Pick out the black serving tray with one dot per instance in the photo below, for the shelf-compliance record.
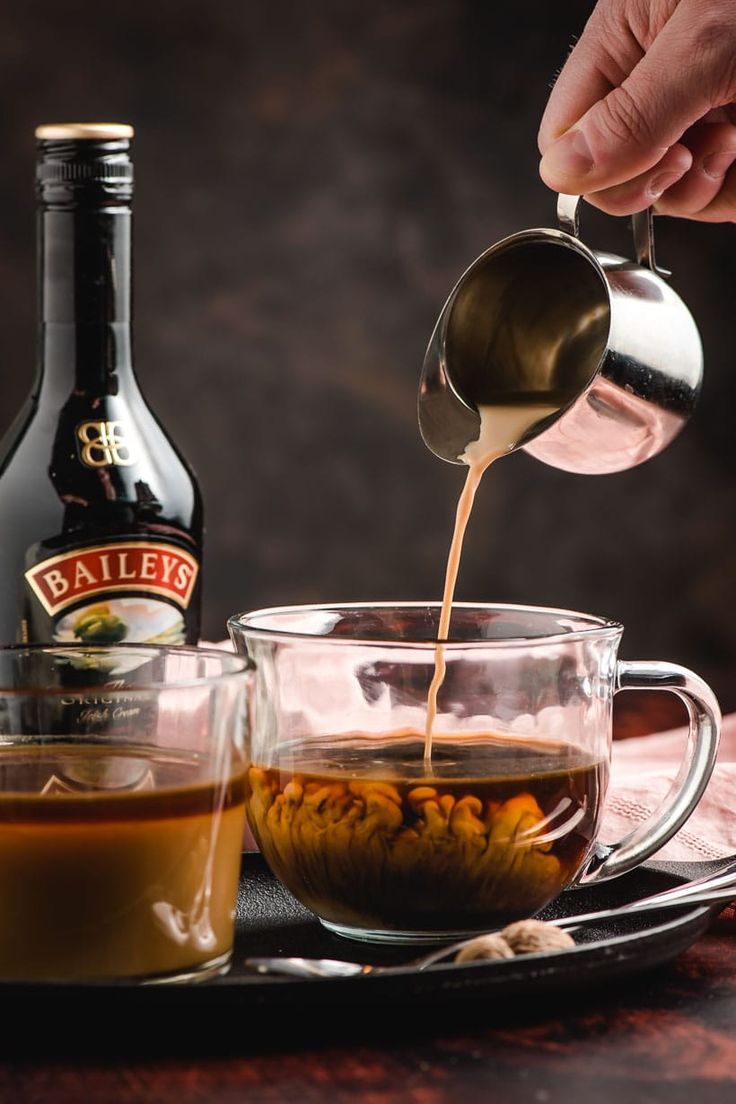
(244, 1006)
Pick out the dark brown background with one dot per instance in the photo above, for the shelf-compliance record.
(311, 180)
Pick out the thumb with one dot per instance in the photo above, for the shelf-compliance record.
(629, 130)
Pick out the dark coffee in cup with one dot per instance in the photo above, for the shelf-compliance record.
(360, 833)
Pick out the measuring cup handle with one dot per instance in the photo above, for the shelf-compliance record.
(610, 860)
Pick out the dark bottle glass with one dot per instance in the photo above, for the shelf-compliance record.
(102, 518)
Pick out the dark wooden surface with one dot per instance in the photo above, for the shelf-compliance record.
(669, 1036)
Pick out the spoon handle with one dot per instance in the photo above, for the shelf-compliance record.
(702, 897)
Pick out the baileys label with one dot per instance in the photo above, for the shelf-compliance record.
(131, 590)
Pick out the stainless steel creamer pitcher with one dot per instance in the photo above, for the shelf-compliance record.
(540, 318)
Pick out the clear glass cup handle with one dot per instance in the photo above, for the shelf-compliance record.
(610, 860)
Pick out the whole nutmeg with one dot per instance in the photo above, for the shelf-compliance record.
(534, 936)
(484, 947)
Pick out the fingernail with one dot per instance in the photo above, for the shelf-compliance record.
(569, 156)
(718, 164)
(661, 183)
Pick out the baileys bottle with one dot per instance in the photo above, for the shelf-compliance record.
(102, 518)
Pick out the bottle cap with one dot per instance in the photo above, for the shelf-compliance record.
(53, 132)
(84, 163)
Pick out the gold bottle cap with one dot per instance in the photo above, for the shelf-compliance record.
(51, 132)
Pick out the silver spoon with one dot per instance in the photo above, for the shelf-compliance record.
(705, 891)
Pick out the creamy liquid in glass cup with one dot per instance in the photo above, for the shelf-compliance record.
(501, 428)
(122, 806)
(134, 881)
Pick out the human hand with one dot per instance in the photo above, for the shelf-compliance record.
(644, 111)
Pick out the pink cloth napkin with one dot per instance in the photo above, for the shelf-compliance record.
(642, 770)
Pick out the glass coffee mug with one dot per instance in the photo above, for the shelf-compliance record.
(384, 845)
(122, 778)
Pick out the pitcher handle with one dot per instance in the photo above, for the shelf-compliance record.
(610, 860)
(642, 226)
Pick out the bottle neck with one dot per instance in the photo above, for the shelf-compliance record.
(84, 259)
